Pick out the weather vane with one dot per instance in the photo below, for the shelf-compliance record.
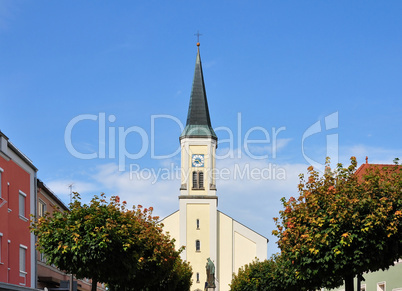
(198, 34)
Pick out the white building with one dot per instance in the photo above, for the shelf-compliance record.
(198, 224)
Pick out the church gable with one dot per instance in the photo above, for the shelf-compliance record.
(238, 245)
(171, 225)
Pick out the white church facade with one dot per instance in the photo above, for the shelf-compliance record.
(198, 224)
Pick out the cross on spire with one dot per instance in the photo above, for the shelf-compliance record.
(198, 34)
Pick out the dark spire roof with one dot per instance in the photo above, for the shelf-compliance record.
(198, 120)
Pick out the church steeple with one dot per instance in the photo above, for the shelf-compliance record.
(198, 120)
(198, 142)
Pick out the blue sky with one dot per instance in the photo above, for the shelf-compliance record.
(278, 64)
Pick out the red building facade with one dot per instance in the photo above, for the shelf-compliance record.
(17, 203)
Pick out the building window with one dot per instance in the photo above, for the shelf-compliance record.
(198, 224)
(363, 287)
(198, 277)
(381, 286)
(1, 172)
(198, 180)
(41, 208)
(201, 180)
(42, 257)
(8, 195)
(195, 180)
(22, 200)
(23, 258)
(1, 244)
(197, 245)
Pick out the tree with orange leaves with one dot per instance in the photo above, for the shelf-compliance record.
(105, 241)
(342, 225)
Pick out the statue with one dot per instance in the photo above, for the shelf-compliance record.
(210, 268)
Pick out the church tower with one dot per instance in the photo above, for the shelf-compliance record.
(198, 200)
(198, 142)
(207, 234)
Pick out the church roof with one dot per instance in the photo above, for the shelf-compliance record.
(198, 121)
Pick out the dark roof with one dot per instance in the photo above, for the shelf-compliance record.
(198, 121)
(49, 192)
(18, 152)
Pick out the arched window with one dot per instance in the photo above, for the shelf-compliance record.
(198, 180)
(198, 224)
(197, 245)
(198, 277)
(195, 180)
(201, 180)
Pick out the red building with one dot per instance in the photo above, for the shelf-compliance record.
(365, 169)
(17, 203)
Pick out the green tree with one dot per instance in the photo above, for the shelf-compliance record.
(179, 279)
(342, 225)
(267, 275)
(109, 243)
(256, 276)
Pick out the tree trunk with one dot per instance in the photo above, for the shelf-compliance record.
(349, 283)
(94, 284)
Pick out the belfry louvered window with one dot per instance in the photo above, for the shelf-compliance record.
(198, 180)
(201, 180)
(195, 180)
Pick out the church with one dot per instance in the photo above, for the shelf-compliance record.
(211, 238)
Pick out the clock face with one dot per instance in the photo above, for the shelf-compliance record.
(197, 160)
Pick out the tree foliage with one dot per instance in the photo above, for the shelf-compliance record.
(178, 279)
(109, 243)
(342, 225)
(256, 276)
(269, 275)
